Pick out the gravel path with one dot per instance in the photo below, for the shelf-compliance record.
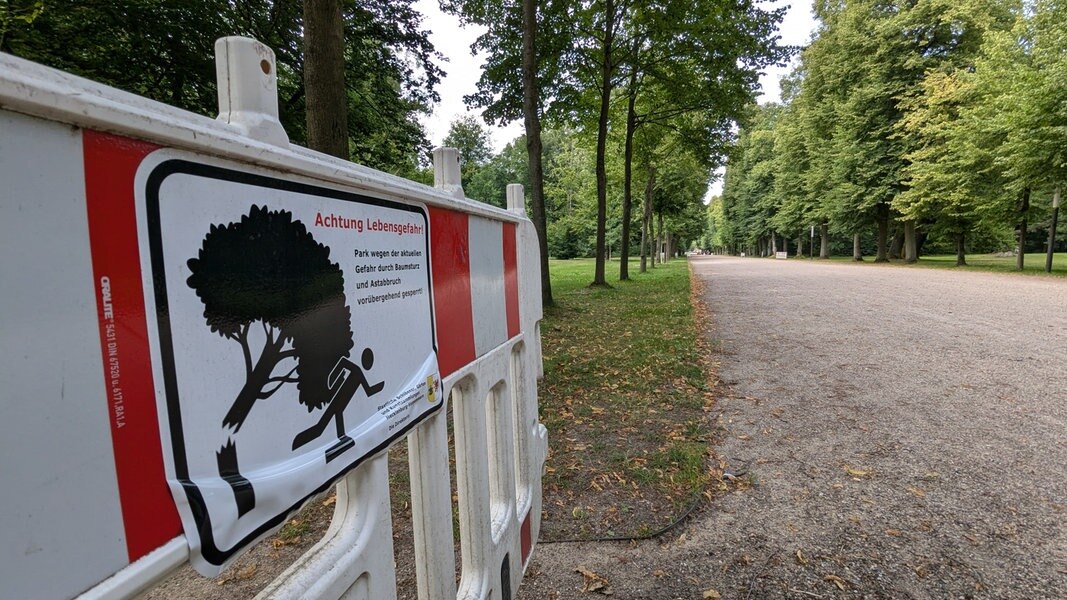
(904, 431)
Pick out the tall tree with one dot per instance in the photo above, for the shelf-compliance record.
(324, 77)
(525, 38)
(605, 19)
(695, 65)
(531, 110)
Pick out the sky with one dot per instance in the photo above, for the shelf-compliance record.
(463, 70)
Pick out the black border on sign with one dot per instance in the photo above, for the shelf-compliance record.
(209, 550)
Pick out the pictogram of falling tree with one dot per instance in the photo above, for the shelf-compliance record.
(268, 271)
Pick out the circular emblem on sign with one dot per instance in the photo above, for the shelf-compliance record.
(431, 389)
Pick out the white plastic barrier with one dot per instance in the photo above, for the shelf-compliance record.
(112, 212)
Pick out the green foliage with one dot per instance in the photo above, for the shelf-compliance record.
(471, 138)
(570, 237)
(468, 135)
(943, 114)
(625, 391)
(489, 182)
(165, 51)
(500, 84)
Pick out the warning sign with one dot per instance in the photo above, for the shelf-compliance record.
(294, 327)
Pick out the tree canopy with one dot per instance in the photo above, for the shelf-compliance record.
(165, 51)
(932, 121)
(268, 269)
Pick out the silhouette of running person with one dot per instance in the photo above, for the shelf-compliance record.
(344, 381)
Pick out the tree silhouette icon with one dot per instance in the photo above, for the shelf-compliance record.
(268, 269)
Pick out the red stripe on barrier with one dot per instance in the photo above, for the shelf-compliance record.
(526, 539)
(148, 512)
(511, 281)
(451, 264)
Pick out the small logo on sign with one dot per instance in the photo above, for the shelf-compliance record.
(431, 389)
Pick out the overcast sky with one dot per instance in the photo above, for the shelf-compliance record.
(463, 69)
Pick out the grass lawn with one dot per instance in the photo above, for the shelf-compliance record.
(1034, 263)
(624, 398)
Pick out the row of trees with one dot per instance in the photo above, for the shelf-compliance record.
(908, 121)
(638, 98)
(661, 83)
(676, 211)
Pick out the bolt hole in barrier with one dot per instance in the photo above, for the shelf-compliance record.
(208, 327)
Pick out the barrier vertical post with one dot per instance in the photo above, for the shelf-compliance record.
(446, 173)
(431, 508)
(248, 89)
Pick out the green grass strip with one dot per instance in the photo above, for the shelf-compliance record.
(624, 398)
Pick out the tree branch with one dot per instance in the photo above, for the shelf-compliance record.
(245, 350)
(281, 380)
(263, 395)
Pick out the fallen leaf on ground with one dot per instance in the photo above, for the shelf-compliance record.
(330, 501)
(593, 582)
(893, 532)
(289, 541)
(800, 558)
(918, 492)
(856, 472)
(245, 573)
(834, 579)
(659, 573)
(711, 594)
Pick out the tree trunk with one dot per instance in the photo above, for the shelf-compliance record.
(653, 240)
(255, 380)
(627, 181)
(1024, 212)
(646, 221)
(531, 110)
(824, 241)
(661, 251)
(607, 69)
(882, 217)
(800, 246)
(644, 243)
(911, 248)
(774, 244)
(898, 243)
(961, 256)
(857, 253)
(1052, 230)
(324, 78)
